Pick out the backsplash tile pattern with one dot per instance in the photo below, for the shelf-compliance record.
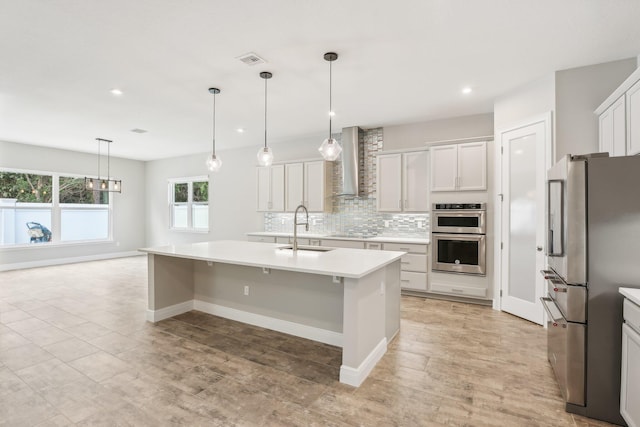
(356, 216)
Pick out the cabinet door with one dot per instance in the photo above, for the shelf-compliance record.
(416, 181)
(472, 166)
(277, 188)
(263, 176)
(389, 183)
(605, 143)
(630, 381)
(619, 128)
(315, 189)
(444, 167)
(633, 120)
(294, 178)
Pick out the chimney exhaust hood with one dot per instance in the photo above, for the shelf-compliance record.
(350, 161)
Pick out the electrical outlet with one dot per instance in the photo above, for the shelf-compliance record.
(386, 223)
(282, 221)
(420, 224)
(246, 290)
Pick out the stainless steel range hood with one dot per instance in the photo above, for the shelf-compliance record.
(350, 161)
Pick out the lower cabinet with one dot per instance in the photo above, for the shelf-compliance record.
(413, 265)
(342, 243)
(630, 381)
(455, 289)
(263, 239)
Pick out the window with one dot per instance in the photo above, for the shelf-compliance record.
(84, 214)
(41, 208)
(189, 202)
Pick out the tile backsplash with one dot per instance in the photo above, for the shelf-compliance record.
(356, 216)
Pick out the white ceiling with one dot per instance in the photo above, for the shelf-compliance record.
(400, 61)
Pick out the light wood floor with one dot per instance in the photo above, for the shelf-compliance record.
(75, 349)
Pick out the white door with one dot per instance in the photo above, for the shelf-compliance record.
(416, 181)
(389, 183)
(444, 167)
(472, 166)
(294, 176)
(523, 170)
(314, 186)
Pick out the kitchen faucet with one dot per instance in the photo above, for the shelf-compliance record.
(296, 224)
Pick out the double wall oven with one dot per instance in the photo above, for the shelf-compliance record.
(458, 234)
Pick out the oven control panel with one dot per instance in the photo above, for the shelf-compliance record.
(459, 206)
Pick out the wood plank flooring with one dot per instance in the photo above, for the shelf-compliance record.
(75, 349)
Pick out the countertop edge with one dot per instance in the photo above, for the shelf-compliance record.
(383, 239)
(633, 294)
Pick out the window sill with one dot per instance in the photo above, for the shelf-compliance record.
(190, 230)
(35, 246)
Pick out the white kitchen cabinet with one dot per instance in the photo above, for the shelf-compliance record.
(270, 180)
(633, 119)
(630, 372)
(413, 265)
(613, 130)
(402, 183)
(317, 186)
(619, 119)
(294, 187)
(305, 183)
(459, 167)
(353, 244)
(262, 239)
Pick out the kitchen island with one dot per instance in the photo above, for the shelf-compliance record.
(343, 297)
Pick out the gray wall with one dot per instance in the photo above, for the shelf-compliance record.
(232, 192)
(529, 100)
(128, 221)
(579, 91)
(420, 134)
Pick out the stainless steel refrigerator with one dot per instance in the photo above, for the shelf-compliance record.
(593, 248)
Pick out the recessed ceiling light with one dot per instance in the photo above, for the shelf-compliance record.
(240, 130)
(466, 90)
(116, 92)
(138, 130)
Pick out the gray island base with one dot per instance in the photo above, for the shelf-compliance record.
(343, 297)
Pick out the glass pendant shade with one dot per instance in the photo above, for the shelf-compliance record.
(330, 149)
(265, 156)
(214, 163)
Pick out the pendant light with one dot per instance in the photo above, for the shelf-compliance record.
(330, 149)
(265, 154)
(213, 162)
(101, 184)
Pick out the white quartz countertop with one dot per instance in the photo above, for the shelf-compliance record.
(352, 263)
(390, 239)
(633, 294)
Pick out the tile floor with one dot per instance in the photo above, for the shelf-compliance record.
(75, 349)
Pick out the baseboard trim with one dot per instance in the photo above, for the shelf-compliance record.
(71, 260)
(356, 376)
(285, 326)
(166, 312)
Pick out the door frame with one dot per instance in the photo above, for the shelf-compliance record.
(550, 151)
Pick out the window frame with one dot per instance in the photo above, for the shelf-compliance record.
(56, 208)
(189, 203)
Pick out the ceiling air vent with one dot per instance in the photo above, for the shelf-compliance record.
(251, 59)
(136, 130)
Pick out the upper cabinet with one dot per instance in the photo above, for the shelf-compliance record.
(459, 167)
(619, 119)
(270, 188)
(283, 187)
(402, 183)
(317, 186)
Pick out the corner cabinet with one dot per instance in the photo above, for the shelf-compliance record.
(459, 167)
(619, 119)
(270, 181)
(402, 182)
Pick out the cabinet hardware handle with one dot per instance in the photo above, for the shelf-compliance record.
(404, 249)
(457, 290)
(399, 204)
(404, 280)
(405, 262)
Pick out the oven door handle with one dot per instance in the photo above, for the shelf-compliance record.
(556, 319)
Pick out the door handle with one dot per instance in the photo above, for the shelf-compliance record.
(539, 248)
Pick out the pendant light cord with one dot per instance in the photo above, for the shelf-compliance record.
(265, 113)
(214, 123)
(330, 91)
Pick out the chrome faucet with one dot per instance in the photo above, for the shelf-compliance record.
(296, 224)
